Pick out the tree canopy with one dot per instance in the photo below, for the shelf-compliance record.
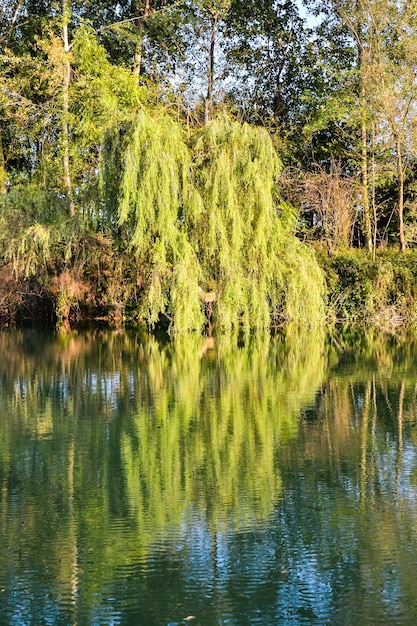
(202, 211)
(203, 142)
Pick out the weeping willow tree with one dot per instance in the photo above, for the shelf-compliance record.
(244, 235)
(154, 189)
(203, 212)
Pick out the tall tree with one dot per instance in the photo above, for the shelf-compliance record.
(360, 29)
(66, 79)
(380, 104)
(210, 215)
(268, 52)
(143, 11)
(348, 106)
(395, 93)
(214, 11)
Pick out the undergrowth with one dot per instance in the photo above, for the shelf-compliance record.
(382, 292)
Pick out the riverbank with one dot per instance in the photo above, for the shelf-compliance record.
(381, 292)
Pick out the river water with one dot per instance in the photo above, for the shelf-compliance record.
(213, 482)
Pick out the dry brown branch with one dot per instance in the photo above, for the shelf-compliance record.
(328, 202)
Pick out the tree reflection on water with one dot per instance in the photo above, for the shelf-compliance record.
(262, 480)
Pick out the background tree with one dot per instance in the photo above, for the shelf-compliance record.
(345, 109)
(66, 80)
(375, 102)
(267, 51)
(214, 11)
(394, 96)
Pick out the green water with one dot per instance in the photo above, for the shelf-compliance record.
(267, 482)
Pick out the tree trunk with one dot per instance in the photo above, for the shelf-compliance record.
(358, 33)
(3, 188)
(143, 14)
(208, 103)
(65, 108)
(400, 174)
(367, 230)
(374, 211)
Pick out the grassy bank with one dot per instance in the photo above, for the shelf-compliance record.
(380, 292)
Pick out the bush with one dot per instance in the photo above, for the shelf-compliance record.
(381, 291)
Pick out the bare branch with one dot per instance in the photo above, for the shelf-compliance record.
(12, 22)
(138, 18)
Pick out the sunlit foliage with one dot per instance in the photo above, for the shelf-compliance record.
(203, 210)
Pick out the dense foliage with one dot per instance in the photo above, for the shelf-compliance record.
(154, 151)
(204, 214)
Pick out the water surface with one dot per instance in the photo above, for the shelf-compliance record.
(268, 482)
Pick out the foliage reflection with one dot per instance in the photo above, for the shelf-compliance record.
(109, 439)
(248, 475)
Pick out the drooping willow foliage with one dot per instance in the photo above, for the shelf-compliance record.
(154, 188)
(244, 237)
(203, 211)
